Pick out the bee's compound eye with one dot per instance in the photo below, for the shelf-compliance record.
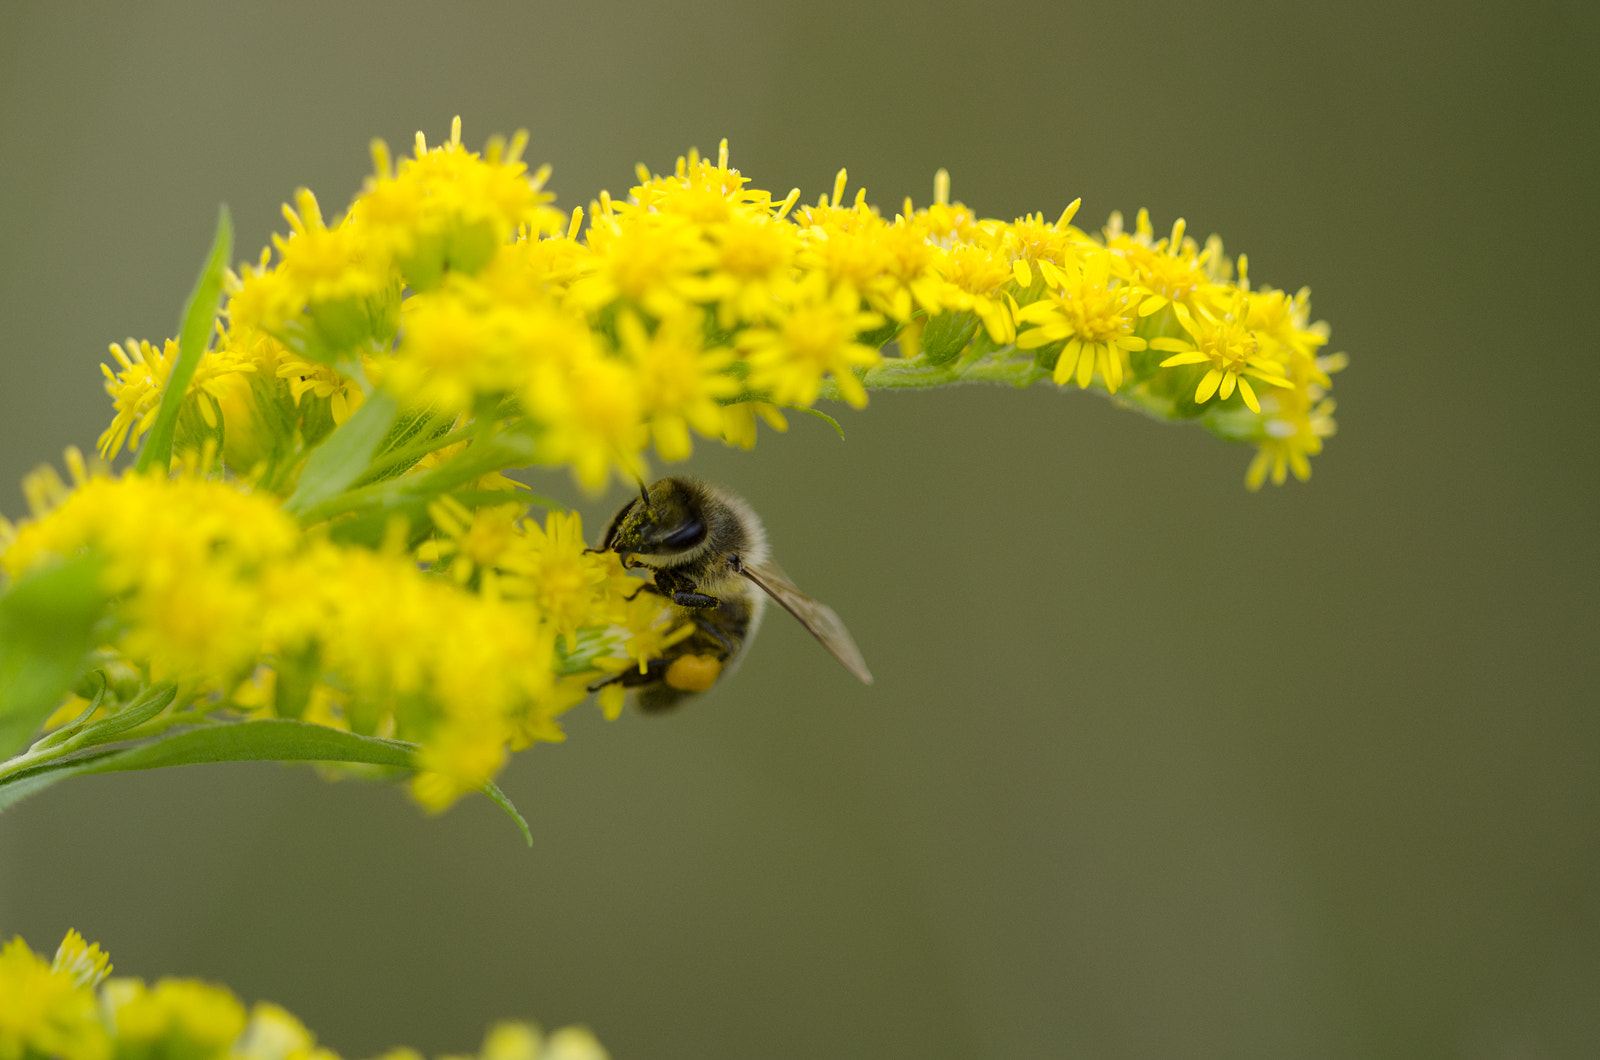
(693, 673)
(684, 537)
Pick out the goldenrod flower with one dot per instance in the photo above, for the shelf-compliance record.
(656, 261)
(739, 422)
(551, 567)
(681, 380)
(176, 1017)
(1228, 347)
(84, 961)
(210, 583)
(594, 408)
(846, 247)
(1295, 421)
(1030, 240)
(135, 392)
(697, 290)
(321, 381)
(753, 266)
(472, 541)
(817, 337)
(333, 290)
(1171, 271)
(975, 275)
(1093, 314)
(46, 1012)
(137, 388)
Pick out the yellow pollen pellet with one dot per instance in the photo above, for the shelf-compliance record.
(693, 673)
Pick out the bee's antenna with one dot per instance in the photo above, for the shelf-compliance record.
(644, 494)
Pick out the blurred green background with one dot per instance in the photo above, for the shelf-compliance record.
(1154, 767)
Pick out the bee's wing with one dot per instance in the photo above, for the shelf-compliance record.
(818, 618)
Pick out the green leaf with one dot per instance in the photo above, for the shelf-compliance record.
(20, 785)
(47, 623)
(482, 457)
(269, 740)
(193, 336)
(498, 797)
(823, 416)
(346, 454)
(153, 702)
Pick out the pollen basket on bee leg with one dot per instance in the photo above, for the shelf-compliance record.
(693, 673)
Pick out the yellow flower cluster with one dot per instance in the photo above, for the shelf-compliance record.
(698, 303)
(218, 589)
(342, 547)
(67, 1008)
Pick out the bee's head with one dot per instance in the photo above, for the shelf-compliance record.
(666, 520)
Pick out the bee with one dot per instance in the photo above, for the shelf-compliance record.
(707, 553)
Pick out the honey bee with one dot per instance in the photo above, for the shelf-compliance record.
(707, 553)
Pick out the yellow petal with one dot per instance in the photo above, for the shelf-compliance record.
(1186, 319)
(1192, 357)
(1153, 305)
(1066, 362)
(1226, 390)
(1024, 276)
(1207, 387)
(1086, 365)
(1249, 396)
(1273, 379)
(850, 389)
(1101, 365)
(1257, 474)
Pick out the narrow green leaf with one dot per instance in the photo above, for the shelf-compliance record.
(193, 336)
(20, 785)
(346, 454)
(498, 797)
(499, 452)
(824, 417)
(47, 624)
(153, 702)
(271, 740)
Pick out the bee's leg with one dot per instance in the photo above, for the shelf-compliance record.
(598, 685)
(682, 591)
(690, 599)
(711, 630)
(632, 678)
(645, 587)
